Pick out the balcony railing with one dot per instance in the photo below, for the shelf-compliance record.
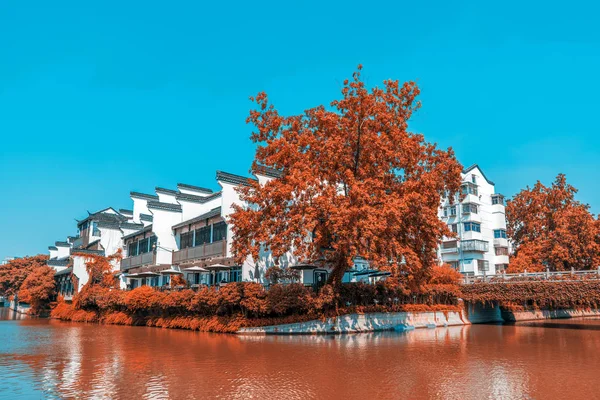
(202, 251)
(500, 242)
(139, 260)
(475, 245)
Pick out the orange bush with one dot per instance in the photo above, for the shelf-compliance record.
(446, 275)
(38, 288)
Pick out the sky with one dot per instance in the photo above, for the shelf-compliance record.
(97, 100)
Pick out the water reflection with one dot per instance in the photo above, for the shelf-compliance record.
(43, 358)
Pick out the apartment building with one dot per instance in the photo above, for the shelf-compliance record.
(477, 218)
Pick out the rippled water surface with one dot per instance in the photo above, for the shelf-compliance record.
(52, 359)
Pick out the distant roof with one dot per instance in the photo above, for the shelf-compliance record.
(131, 225)
(58, 263)
(146, 217)
(64, 271)
(267, 171)
(62, 244)
(212, 213)
(103, 216)
(234, 179)
(109, 224)
(146, 229)
(167, 191)
(196, 188)
(52, 248)
(164, 206)
(124, 211)
(472, 167)
(197, 199)
(143, 196)
(87, 251)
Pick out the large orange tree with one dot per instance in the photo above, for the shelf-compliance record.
(353, 182)
(550, 229)
(14, 272)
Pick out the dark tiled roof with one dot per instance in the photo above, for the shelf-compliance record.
(52, 248)
(124, 211)
(62, 244)
(143, 196)
(58, 263)
(131, 225)
(146, 229)
(88, 251)
(197, 199)
(267, 171)
(64, 271)
(109, 224)
(472, 167)
(146, 217)
(164, 206)
(212, 213)
(167, 191)
(233, 179)
(71, 239)
(196, 188)
(103, 216)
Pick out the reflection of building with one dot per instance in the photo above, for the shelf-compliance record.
(477, 217)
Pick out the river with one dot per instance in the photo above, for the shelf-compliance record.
(42, 358)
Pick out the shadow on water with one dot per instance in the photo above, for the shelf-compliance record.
(590, 324)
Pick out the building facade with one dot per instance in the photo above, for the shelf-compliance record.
(477, 219)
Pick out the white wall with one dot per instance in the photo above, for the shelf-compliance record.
(140, 206)
(162, 226)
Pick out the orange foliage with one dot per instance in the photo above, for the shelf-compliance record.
(549, 228)
(13, 273)
(178, 280)
(444, 274)
(581, 294)
(100, 268)
(37, 289)
(352, 177)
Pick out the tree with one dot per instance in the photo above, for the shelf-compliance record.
(550, 229)
(13, 273)
(100, 268)
(38, 288)
(353, 181)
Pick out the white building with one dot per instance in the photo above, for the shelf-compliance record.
(477, 217)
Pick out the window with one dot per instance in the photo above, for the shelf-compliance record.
(152, 243)
(454, 228)
(453, 211)
(219, 231)
(165, 280)
(498, 199)
(469, 208)
(469, 188)
(236, 274)
(203, 235)
(186, 240)
(473, 179)
(483, 265)
(132, 249)
(501, 251)
(95, 230)
(445, 212)
(451, 244)
(472, 226)
(143, 247)
(454, 264)
(499, 234)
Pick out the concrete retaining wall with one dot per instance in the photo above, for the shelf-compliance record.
(516, 316)
(354, 323)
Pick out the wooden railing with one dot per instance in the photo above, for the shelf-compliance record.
(139, 260)
(535, 276)
(204, 250)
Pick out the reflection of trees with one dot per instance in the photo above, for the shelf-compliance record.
(87, 360)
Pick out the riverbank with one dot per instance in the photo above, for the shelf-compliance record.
(369, 322)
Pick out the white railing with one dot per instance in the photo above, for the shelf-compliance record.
(535, 276)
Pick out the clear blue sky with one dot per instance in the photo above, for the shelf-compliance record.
(99, 100)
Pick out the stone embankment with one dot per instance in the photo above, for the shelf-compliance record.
(369, 322)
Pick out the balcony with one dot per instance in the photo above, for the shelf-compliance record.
(500, 242)
(216, 249)
(480, 246)
(138, 261)
(449, 247)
